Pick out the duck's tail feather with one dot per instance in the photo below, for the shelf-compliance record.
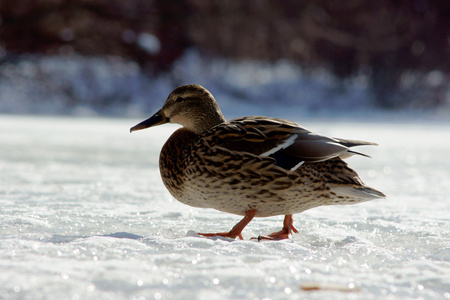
(361, 193)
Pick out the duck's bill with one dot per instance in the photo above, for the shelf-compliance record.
(157, 119)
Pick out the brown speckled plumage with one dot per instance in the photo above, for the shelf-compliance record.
(251, 166)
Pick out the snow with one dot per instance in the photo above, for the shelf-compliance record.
(149, 43)
(84, 215)
(87, 86)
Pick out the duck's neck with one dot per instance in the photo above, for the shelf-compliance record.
(205, 121)
(209, 122)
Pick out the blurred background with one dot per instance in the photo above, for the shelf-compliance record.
(123, 57)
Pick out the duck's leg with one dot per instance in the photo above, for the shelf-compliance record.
(288, 228)
(237, 229)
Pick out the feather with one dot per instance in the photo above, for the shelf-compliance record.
(358, 192)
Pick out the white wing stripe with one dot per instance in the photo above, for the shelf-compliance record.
(297, 166)
(283, 145)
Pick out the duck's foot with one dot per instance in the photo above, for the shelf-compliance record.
(288, 228)
(222, 234)
(237, 229)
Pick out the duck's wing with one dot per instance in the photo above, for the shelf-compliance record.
(287, 142)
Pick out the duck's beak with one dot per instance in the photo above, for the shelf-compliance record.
(157, 119)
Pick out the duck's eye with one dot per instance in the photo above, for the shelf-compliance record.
(179, 99)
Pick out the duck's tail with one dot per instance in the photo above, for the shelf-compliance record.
(358, 193)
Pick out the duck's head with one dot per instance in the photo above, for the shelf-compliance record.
(191, 106)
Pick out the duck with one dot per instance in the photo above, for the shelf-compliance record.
(252, 166)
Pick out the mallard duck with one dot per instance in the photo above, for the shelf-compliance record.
(251, 166)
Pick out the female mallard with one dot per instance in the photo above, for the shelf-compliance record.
(251, 166)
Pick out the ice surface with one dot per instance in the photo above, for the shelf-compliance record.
(84, 215)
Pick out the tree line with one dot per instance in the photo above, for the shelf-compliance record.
(383, 39)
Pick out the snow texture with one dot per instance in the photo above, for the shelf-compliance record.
(84, 215)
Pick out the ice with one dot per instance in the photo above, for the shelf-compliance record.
(84, 215)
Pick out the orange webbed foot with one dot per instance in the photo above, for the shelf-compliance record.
(222, 234)
(283, 234)
(237, 229)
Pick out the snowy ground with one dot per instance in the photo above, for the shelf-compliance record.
(84, 215)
